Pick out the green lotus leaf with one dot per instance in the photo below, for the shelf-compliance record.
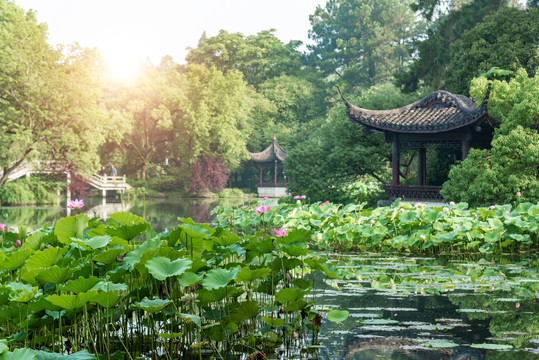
(439, 344)
(489, 346)
(296, 249)
(217, 278)
(21, 292)
(152, 306)
(338, 315)
(248, 275)
(189, 279)
(134, 256)
(45, 258)
(33, 241)
(162, 268)
(191, 318)
(126, 225)
(72, 302)
(97, 242)
(15, 259)
(273, 322)
(285, 295)
(109, 256)
(53, 275)
(3, 345)
(107, 299)
(81, 355)
(79, 285)
(69, 227)
(195, 231)
(110, 286)
(19, 354)
(170, 335)
(245, 310)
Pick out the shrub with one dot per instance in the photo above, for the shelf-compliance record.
(208, 173)
(231, 193)
(167, 183)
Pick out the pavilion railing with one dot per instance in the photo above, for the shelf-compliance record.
(271, 184)
(413, 192)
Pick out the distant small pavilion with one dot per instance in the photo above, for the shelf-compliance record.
(272, 157)
(439, 120)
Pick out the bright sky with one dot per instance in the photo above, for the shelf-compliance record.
(129, 31)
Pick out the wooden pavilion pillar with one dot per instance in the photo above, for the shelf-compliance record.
(260, 174)
(421, 166)
(275, 173)
(465, 148)
(395, 159)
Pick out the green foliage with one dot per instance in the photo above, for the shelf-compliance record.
(166, 183)
(83, 280)
(507, 39)
(27, 191)
(362, 41)
(495, 176)
(231, 193)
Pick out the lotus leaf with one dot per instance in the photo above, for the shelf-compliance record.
(97, 242)
(191, 318)
(109, 256)
(162, 268)
(126, 226)
(134, 256)
(79, 285)
(189, 279)
(338, 315)
(45, 258)
(70, 226)
(273, 322)
(489, 346)
(248, 275)
(217, 278)
(81, 355)
(71, 302)
(15, 259)
(53, 275)
(19, 354)
(152, 306)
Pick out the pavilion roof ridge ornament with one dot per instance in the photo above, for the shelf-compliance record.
(440, 111)
(271, 153)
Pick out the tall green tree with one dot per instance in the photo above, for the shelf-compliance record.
(508, 39)
(258, 57)
(49, 98)
(362, 41)
(432, 53)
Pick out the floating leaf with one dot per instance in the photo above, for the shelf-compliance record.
(492, 346)
(81, 355)
(338, 315)
(439, 344)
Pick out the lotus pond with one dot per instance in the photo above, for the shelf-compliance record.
(268, 282)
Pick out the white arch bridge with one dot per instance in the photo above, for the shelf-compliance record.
(104, 183)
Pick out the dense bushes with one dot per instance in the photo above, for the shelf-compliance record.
(27, 191)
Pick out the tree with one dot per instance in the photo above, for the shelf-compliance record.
(508, 39)
(432, 52)
(258, 57)
(512, 165)
(362, 41)
(49, 102)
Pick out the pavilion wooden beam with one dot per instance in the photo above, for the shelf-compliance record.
(395, 159)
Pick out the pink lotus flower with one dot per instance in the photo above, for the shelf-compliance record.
(492, 207)
(517, 305)
(262, 209)
(451, 203)
(17, 243)
(372, 221)
(3, 227)
(507, 211)
(75, 204)
(518, 193)
(418, 204)
(265, 198)
(446, 209)
(279, 233)
(304, 196)
(297, 197)
(324, 203)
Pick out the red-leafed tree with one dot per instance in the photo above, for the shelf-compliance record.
(208, 173)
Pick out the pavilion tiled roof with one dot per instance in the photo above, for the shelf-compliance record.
(272, 152)
(438, 112)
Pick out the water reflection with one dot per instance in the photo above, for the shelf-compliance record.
(161, 213)
(419, 308)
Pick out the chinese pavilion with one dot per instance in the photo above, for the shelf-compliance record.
(272, 157)
(439, 120)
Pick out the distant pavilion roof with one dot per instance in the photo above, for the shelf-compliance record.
(272, 152)
(438, 112)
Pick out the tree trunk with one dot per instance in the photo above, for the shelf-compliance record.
(143, 171)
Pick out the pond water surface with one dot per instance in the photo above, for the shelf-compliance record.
(401, 307)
